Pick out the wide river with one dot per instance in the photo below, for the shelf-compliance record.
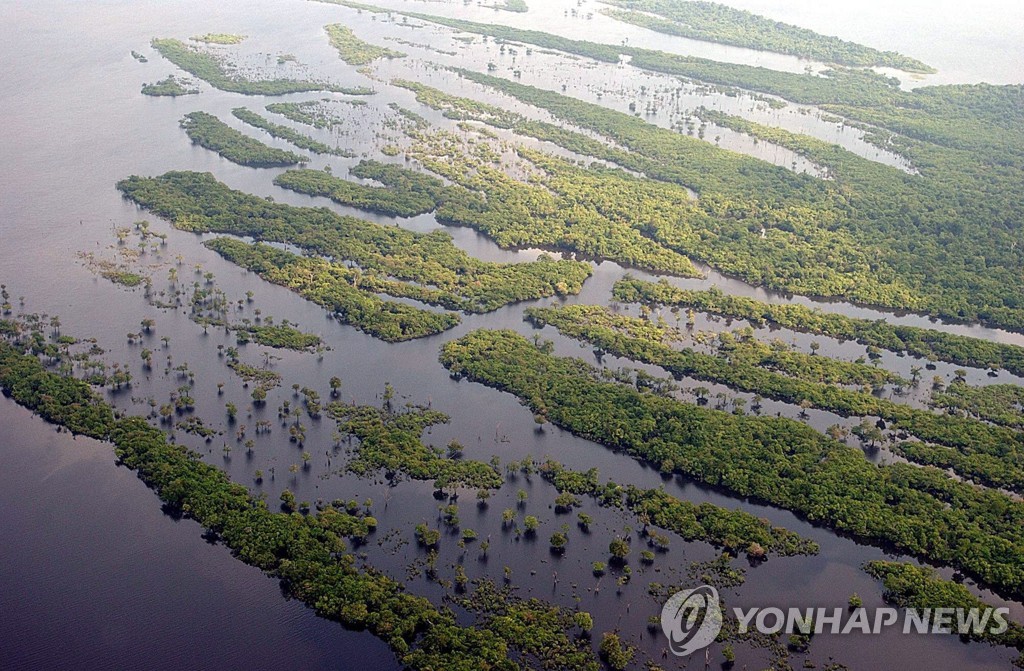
(95, 576)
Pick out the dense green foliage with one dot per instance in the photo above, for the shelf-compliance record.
(987, 454)
(541, 631)
(873, 234)
(171, 86)
(942, 241)
(353, 50)
(391, 260)
(920, 587)
(836, 85)
(740, 348)
(210, 68)
(264, 378)
(998, 403)
(512, 5)
(210, 132)
(337, 289)
(598, 213)
(732, 529)
(916, 510)
(396, 202)
(285, 133)
(219, 38)
(307, 553)
(713, 22)
(314, 112)
(913, 340)
(278, 335)
(391, 442)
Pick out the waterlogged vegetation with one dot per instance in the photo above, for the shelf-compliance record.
(306, 552)
(277, 335)
(597, 213)
(832, 160)
(998, 403)
(916, 341)
(264, 378)
(625, 190)
(389, 441)
(734, 530)
(118, 273)
(390, 260)
(210, 132)
(337, 289)
(549, 637)
(774, 244)
(403, 197)
(835, 85)
(853, 236)
(512, 5)
(310, 551)
(212, 69)
(219, 38)
(171, 86)
(309, 113)
(298, 139)
(592, 322)
(910, 586)
(981, 452)
(353, 50)
(779, 461)
(713, 22)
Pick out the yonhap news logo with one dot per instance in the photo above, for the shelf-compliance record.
(692, 620)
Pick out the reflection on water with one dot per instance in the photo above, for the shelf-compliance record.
(75, 124)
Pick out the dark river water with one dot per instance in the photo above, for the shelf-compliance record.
(95, 576)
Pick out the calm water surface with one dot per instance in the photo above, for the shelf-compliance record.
(97, 577)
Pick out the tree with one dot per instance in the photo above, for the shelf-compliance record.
(619, 550)
(460, 578)
(427, 537)
(583, 620)
(558, 542)
(531, 524)
(335, 386)
(868, 432)
(565, 502)
(288, 501)
(616, 654)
